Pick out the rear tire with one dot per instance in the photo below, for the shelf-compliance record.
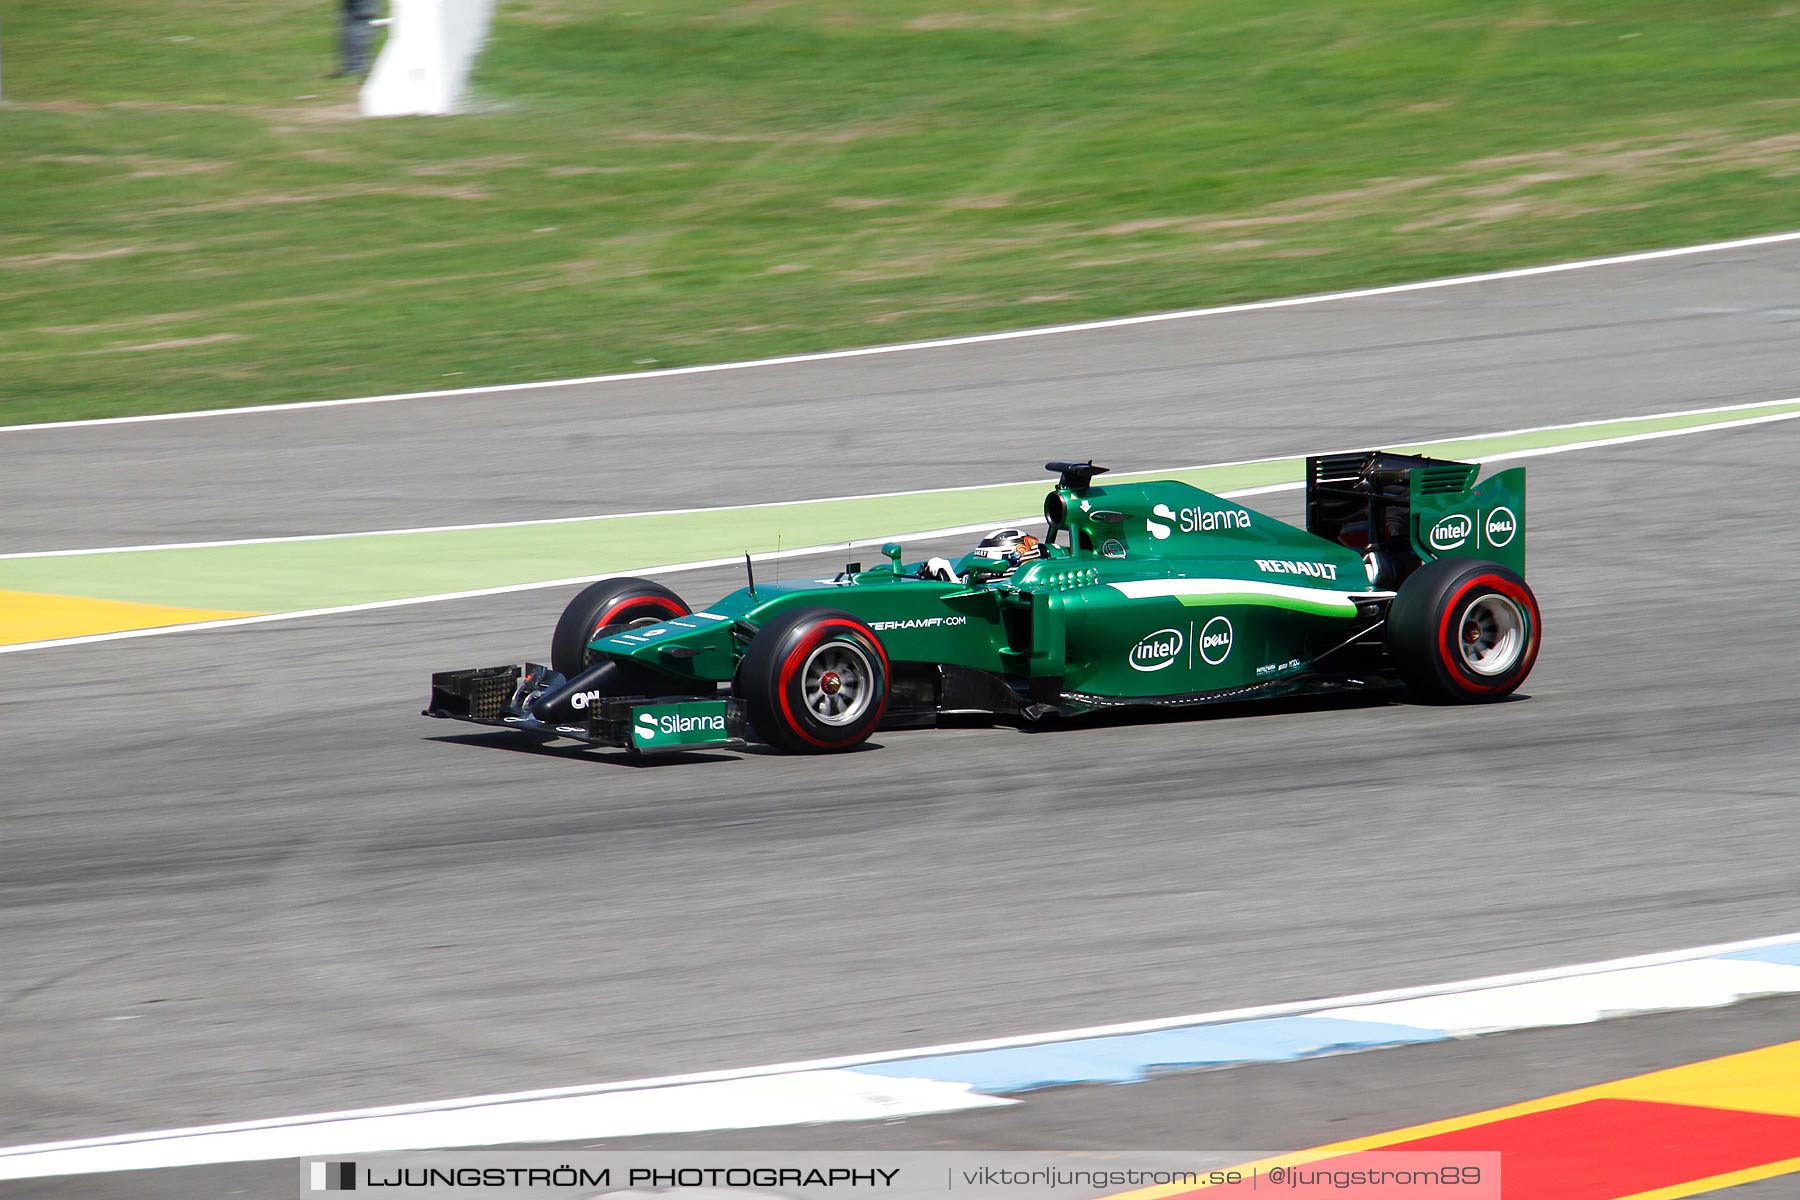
(814, 680)
(608, 602)
(1463, 630)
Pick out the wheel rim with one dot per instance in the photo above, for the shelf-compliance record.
(1491, 634)
(837, 684)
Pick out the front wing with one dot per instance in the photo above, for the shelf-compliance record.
(500, 697)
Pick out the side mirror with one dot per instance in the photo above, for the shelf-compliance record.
(892, 550)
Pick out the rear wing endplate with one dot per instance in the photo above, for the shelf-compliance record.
(1410, 509)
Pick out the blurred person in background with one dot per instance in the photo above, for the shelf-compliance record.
(356, 32)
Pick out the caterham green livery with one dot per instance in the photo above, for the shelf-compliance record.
(1408, 572)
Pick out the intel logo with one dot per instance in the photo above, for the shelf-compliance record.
(1155, 651)
(1450, 532)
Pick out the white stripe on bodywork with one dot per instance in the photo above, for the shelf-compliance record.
(1273, 593)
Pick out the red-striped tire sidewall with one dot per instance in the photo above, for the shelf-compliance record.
(1449, 637)
(662, 604)
(607, 602)
(788, 684)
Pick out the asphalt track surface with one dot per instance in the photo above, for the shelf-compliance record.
(242, 878)
(1613, 341)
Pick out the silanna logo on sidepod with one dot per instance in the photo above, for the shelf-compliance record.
(1196, 520)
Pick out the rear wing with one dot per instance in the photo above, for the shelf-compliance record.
(1408, 509)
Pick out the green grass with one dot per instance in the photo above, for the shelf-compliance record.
(190, 216)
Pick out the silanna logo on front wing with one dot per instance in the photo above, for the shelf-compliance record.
(650, 726)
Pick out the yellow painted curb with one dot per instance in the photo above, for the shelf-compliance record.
(37, 617)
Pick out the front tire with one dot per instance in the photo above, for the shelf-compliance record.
(1463, 630)
(609, 602)
(814, 680)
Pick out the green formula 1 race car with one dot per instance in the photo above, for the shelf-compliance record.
(1156, 594)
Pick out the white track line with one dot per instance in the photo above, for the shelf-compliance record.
(15, 1160)
(973, 487)
(943, 343)
(1653, 435)
(824, 548)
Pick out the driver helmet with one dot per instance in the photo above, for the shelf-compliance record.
(1013, 546)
